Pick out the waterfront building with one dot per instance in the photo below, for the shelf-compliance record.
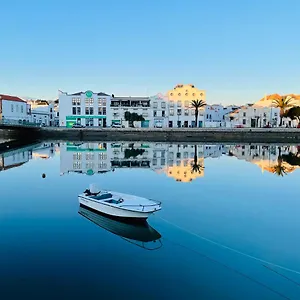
(86, 108)
(138, 105)
(160, 110)
(13, 109)
(252, 115)
(42, 112)
(14, 159)
(180, 111)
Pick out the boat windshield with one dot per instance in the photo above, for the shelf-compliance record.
(102, 196)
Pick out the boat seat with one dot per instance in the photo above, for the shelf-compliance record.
(102, 197)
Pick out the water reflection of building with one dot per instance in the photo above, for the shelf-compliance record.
(182, 162)
(18, 157)
(88, 158)
(267, 157)
(44, 151)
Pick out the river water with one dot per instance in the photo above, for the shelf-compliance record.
(229, 227)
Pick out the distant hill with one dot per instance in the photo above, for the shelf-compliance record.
(268, 100)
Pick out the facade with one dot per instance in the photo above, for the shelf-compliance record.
(139, 105)
(180, 112)
(160, 110)
(88, 109)
(42, 112)
(13, 109)
(253, 116)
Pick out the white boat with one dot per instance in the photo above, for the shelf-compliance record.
(118, 204)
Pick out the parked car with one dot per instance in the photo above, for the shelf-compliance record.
(117, 125)
(77, 126)
(239, 126)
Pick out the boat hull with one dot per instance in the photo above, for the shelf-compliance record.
(113, 211)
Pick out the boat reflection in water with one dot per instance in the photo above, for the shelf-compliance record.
(138, 233)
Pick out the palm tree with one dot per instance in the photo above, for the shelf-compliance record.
(279, 169)
(283, 103)
(197, 104)
(198, 168)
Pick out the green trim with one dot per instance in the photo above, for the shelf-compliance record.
(78, 149)
(71, 118)
(145, 146)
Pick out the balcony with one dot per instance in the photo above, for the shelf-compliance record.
(130, 103)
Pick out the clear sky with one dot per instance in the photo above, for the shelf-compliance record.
(236, 50)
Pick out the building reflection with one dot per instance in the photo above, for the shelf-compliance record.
(183, 163)
(18, 157)
(275, 159)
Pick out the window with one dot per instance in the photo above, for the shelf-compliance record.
(99, 101)
(12, 108)
(102, 165)
(102, 156)
(244, 121)
(244, 114)
(74, 110)
(78, 110)
(179, 103)
(154, 113)
(163, 105)
(91, 110)
(171, 111)
(154, 104)
(163, 113)
(76, 165)
(91, 101)
(99, 110)
(17, 108)
(74, 101)
(103, 102)
(145, 115)
(22, 109)
(179, 112)
(186, 103)
(51, 110)
(89, 156)
(87, 110)
(78, 101)
(77, 156)
(104, 111)
(186, 112)
(193, 112)
(171, 103)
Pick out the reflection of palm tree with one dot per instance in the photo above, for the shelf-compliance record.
(196, 167)
(279, 169)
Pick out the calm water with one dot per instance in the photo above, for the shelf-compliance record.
(229, 227)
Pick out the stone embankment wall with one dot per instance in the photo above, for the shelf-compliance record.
(257, 135)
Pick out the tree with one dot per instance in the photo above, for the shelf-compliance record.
(132, 117)
(196, 167)
(283, 103)
(279, 169)
(293, 113)
(196, 105)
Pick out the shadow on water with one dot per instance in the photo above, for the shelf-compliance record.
(139, 233)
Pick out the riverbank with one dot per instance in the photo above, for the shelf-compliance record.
(246, 135)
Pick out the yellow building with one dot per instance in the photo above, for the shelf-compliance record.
(184, 171)
(181, 113)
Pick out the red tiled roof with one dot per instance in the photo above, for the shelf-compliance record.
(11, 98)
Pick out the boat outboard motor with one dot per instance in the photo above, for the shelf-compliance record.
(94, 190)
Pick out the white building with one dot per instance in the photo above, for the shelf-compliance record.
(13, 109)
(139, 105)
(253, 116)
(42, 112)
(88, 109)
(160, 110)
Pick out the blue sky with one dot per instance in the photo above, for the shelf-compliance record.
(236, 50)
